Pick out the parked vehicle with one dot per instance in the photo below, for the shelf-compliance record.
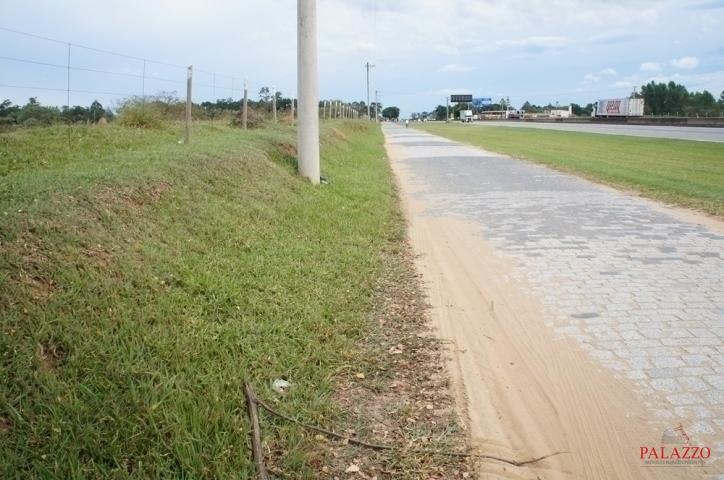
(513, 113)
(466, 116)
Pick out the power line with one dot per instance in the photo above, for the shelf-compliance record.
(92, 92)
(109, 52)
(84, 69)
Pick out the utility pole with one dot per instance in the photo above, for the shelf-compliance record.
(274, 104)
(368, 65)
(377, 105)
(189, 81)
(447, 109)
(245, 106)
(308, 90)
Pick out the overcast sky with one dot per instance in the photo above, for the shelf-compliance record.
(538, 50)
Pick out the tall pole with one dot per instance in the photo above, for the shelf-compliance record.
(245, 106)
(368, 65)
(447, 109)
(377, 106)
(308, 90)
(274, 104)
(189, 81)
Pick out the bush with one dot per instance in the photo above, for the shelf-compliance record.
(140, 116)
(32, 122)
(255, 118)
(35, 114)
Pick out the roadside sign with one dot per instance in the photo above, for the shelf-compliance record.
(481, 102)
(461, 98)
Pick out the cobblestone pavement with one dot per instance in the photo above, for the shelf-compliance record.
(638, 289)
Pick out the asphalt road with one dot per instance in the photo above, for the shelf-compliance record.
(703, 134)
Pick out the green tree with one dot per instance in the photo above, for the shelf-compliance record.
(530, 108)
(96, 111)
(33, 113)
(264, 94)
(391, 113)
(702, 103)
(8, 110)
(440, 112)
(665, 99)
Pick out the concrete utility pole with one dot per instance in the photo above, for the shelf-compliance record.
(368, 65)
(447, 109)
(377, 105)
(274, 104)
(245, 106)
(308, 90)
(189, 81)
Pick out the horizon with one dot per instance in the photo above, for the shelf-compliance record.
(566, 51)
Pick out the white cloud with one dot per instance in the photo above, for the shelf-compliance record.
(650, 67)
(455, 67)
(443, 92)
(686, 63)
(447, 49)
(590, 78)
(536, 43)
(608, 72)
(622, 84)
(711, 81)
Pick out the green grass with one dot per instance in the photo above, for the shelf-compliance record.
(142, 281)
(685, 173)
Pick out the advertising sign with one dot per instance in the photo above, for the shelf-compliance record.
(461, 98)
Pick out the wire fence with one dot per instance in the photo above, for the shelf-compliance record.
(58, 72)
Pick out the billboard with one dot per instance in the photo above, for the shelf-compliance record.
(461, 98)
(481, 102)
(620, 107)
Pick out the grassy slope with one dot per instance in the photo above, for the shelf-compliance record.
(684, 172)
(142, 281)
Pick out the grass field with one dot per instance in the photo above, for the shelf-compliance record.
(685, 173)
(142, 281)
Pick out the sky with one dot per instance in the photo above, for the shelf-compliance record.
(557, 51)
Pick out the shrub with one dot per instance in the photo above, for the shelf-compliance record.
(139, 115)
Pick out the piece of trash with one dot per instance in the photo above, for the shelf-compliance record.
(352, 469)
(360, 375)
(281, 386)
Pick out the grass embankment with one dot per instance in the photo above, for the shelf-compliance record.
(142, 281)
(686, 173)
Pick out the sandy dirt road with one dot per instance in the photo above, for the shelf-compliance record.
(526, 390)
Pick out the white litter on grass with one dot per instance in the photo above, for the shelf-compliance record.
(281, 386)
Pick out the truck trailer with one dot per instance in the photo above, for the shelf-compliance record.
(466, 116)
(619, 107)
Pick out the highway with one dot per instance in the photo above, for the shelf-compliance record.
(703, 134)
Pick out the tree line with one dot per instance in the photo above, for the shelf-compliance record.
(660, 99)
(150, 110)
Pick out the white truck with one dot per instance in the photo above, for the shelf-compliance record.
(619, 107)
(466, 116)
